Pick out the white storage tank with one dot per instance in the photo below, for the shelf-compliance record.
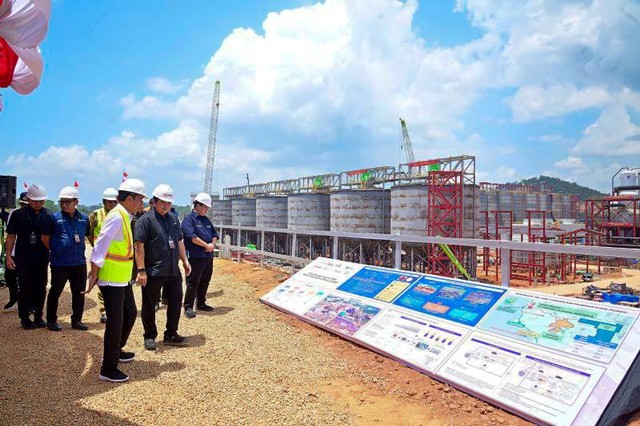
(362, 210)
(409, 204)
(271, 212)
(308, 212)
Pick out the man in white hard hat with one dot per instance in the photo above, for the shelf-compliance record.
(199, 240)
(111, 269)
(24, 232)
(65, 239)
(158, 246)
(109, 201)
(11, 275)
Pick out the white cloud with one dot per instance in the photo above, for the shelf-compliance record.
(613, 134)
(147, 107)
(164, 86)
(571, 162)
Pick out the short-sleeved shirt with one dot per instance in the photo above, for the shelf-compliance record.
(195, 225)
(28, 228)
(158, 233)
(64, 248)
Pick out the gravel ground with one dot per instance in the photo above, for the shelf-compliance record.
(246, 363)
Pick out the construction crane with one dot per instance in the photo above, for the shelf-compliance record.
(406, 142)
(213, 130)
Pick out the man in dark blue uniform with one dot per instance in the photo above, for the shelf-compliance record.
(65, 238)
(199, 240)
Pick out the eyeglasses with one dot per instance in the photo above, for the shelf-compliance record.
(65, 202)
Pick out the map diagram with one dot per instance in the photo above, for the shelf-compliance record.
(581, 330)
(343, 315)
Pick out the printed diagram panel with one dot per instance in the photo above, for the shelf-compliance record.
(587, 331)
(423, 342)
(327, 273)
(344, 315)
(296, 297)
(379, 284)
(546, 387)
(459, 302)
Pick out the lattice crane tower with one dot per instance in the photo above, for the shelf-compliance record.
(213, 130)
(406, 142)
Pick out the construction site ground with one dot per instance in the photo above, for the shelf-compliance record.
(246, 363)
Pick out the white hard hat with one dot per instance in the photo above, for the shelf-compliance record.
(110, 194)
(203, 198)
(68, 192)
(36, 192)
(163, 192)
(133, 185)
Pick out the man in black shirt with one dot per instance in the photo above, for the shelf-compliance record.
(24, 232)
(158, 245)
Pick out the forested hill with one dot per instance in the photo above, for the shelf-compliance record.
(563, 187)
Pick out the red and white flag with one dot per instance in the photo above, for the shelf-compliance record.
(76, 184)
(25, 185)
(124, 175)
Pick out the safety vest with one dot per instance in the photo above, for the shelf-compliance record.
(101, 214)
(118, 262)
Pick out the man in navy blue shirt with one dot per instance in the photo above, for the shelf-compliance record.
(65, 239)
(199, 240)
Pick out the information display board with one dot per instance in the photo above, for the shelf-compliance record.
(549, 359)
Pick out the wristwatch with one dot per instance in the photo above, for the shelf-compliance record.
(141, 270)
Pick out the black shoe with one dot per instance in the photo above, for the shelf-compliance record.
(126, 356)
(10, 303)
(103, 318)
(39, 323)
(175, 340)
(27, 324)
(205, 308)
(54, 326)
(79, 325)
(115, 377)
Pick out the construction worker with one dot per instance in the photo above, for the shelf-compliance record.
(96, 218)
(65, 239)
(199, 240)
(111, 269)
(11, 275)
(24, 233)
(158, 246)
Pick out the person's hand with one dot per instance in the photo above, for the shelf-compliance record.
(209, 248)
(141, 278)
(187, 267)
(10, 263)
(91, 282)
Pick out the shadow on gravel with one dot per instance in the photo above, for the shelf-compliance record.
(216, 293)
(218, 310)
(195, 341)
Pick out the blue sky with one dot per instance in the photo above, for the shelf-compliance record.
(528, 87)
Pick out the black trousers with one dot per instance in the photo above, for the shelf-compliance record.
(77, 277)
(198, 282)
(120, 307)
(11, 278)
(32, 287)
(150, 294)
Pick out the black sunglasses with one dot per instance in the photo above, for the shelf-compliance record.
(63, 202)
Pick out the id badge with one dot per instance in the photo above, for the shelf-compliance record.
(171, 244)
(76, 238)
(32, 238)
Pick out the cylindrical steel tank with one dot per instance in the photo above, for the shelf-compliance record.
(366, 211)
(220, 212)
(531, 202)
(470, 215)
(243, 211)
(271, 212)
(409, 210)
(557, 206)
(308, 212)
(543, 201)
(519, 200)
(505, 199)
(566, 206)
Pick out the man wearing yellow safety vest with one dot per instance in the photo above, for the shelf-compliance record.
(111, 269)
(109, 201)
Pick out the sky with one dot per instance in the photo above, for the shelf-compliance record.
(529, 88)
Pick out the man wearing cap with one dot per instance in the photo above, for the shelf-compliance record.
(199, 240)
(158, 246)
(64, 237)
(24, 233)
(11, 275)
(109, 201)
(111, 268)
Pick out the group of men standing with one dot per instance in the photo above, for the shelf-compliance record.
(129, 246)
